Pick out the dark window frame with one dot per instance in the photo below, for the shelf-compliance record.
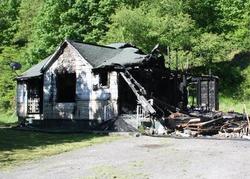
(66, 87)
(104, 79)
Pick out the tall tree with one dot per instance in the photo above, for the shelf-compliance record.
(8, 17)
(152, 22)
(79, 20)
(8, 28)
(28, 10)
(205, 13)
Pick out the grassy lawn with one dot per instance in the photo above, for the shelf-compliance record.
(7, 120)
(17, 147)
(227, 104)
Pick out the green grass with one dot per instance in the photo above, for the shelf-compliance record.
(230, 104)
(227, 104)
(17, 147)
(7, 120)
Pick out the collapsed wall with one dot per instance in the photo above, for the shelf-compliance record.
(168, 110)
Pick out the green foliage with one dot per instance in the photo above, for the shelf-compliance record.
(168, 23)
(204, 33)
(205, 13)
(28, 10)
(242, 33)
(217, 16)
(234, 77)
(8, 17)
(160, 22)
(11, 27)
(7, 83)
(8, 119)
(228, 103)
(242, 63)
(78, 20)
(245, 87)
(210, 48)
(231, 13)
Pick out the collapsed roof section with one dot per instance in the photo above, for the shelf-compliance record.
(97, 56)
(127, 57)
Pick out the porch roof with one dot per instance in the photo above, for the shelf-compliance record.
(34, 71)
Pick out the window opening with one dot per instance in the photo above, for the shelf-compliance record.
(103, 78)
(66, 87)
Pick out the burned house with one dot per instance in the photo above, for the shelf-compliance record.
(87, 85)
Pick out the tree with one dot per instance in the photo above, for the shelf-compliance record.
(155, 22)
(241, 35)
(28, 10)
(7, 82)
(8, 17)
(210, 48)
(205, 13)
(78, 20)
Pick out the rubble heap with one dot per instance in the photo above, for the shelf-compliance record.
(206, 123)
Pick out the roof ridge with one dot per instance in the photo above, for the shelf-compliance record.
(88, 43)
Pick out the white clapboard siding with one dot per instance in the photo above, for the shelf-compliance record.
(21, 99)
(90, 104)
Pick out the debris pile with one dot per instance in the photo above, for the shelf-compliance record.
(199, 123)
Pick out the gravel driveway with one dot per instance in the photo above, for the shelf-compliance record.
(145, 157)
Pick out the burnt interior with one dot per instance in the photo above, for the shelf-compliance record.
(66, 87)
(166, 88)
(126, 98)
(103, 78)
(170, 90)
(163, 85)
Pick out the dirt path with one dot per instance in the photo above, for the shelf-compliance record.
(145, 157)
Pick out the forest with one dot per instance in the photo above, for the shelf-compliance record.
(212, 35)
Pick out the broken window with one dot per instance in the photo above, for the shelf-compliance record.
(103, 78)
(34, 89)
(66, 87)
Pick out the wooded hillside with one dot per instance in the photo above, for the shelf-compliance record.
(214, 34)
